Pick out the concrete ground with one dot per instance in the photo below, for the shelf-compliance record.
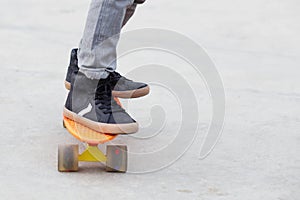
(255, 45)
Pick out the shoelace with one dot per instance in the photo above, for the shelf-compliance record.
(104, 99)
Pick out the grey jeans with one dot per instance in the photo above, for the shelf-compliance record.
(97, 49)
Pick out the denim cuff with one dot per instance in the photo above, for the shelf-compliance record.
(94, 73)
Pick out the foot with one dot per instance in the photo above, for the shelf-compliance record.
(121, 86)
(91, 104)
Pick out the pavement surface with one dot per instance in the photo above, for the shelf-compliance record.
(255, 45)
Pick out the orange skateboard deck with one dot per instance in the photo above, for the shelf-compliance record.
(86, 134)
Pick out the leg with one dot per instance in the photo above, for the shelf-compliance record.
(97, 54)
(129, 13)
(131, 9)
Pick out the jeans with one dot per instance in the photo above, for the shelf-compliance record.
(97, 49)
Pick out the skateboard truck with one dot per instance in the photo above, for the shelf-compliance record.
(92, 154)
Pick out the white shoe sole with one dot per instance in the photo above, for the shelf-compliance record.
(128, 128)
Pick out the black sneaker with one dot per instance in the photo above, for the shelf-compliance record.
(121, 86)
(91, 104)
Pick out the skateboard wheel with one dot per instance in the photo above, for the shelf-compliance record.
(68, 158)
(116, 158)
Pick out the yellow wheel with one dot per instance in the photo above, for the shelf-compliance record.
(68, 158)
(116, 158)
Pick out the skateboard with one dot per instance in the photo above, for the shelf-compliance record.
(69, 157)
